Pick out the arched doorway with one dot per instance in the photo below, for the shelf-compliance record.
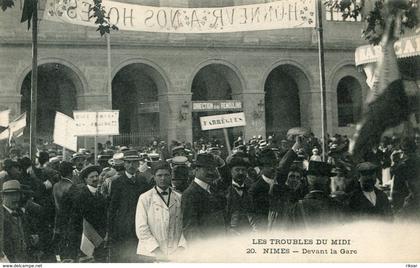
(349, 101)
(214, 82)
(135, 90)
(57, 90)
(283, 87)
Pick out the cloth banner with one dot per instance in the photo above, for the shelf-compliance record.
(4, 118)
(90, 239)
(281, 14)
(65, 131)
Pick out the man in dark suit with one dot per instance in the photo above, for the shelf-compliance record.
(88, 217)
(368, 201)
(261, 190)
(125, 192)
(239, 212)
(15, 244)
(63, 203)
(203, 207)
(317, 206)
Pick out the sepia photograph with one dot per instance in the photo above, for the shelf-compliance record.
(209, 131)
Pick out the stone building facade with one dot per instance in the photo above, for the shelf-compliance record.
(156, 77)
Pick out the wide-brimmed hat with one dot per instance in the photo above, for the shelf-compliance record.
(13, 186)
(131, 155)
(117, 160)
(85, 172)
(317, 168)
(206, 160)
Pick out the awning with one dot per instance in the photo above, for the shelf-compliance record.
(405, 47)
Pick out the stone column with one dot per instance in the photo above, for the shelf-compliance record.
(172, 125)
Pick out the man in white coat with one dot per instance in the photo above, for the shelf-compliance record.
(159, 217)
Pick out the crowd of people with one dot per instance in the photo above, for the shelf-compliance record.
(146, 204)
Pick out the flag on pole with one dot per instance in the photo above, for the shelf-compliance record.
(4, 118)
(388, 103)
(28, 11)
(18, 125)
(90, 239)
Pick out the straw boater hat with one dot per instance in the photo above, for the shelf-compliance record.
(13, 186)
(131, 155)
(117, 160)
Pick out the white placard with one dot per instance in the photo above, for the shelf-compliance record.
(64, 131)
(283, 14)
(4, 118)
(96, 123)
(222, 121)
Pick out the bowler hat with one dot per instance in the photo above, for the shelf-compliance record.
(131, 155)
(9, 163)
(317, 168)
(267, 157)
(206, 160)
(85, 172)
(236, 161)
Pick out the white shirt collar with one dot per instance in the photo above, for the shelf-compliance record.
(202, 184)
(92, 189)
(236, 184)
(240, 192)
(161, 191)
(268, 180)
(129, 175)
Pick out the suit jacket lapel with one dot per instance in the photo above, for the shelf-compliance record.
(156, 199)
(174, 199)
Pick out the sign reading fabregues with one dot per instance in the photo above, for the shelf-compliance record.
(275, 15)
(96, 123)
(222, 121)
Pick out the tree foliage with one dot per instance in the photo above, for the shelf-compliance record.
(375, 17)
(102, 20)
